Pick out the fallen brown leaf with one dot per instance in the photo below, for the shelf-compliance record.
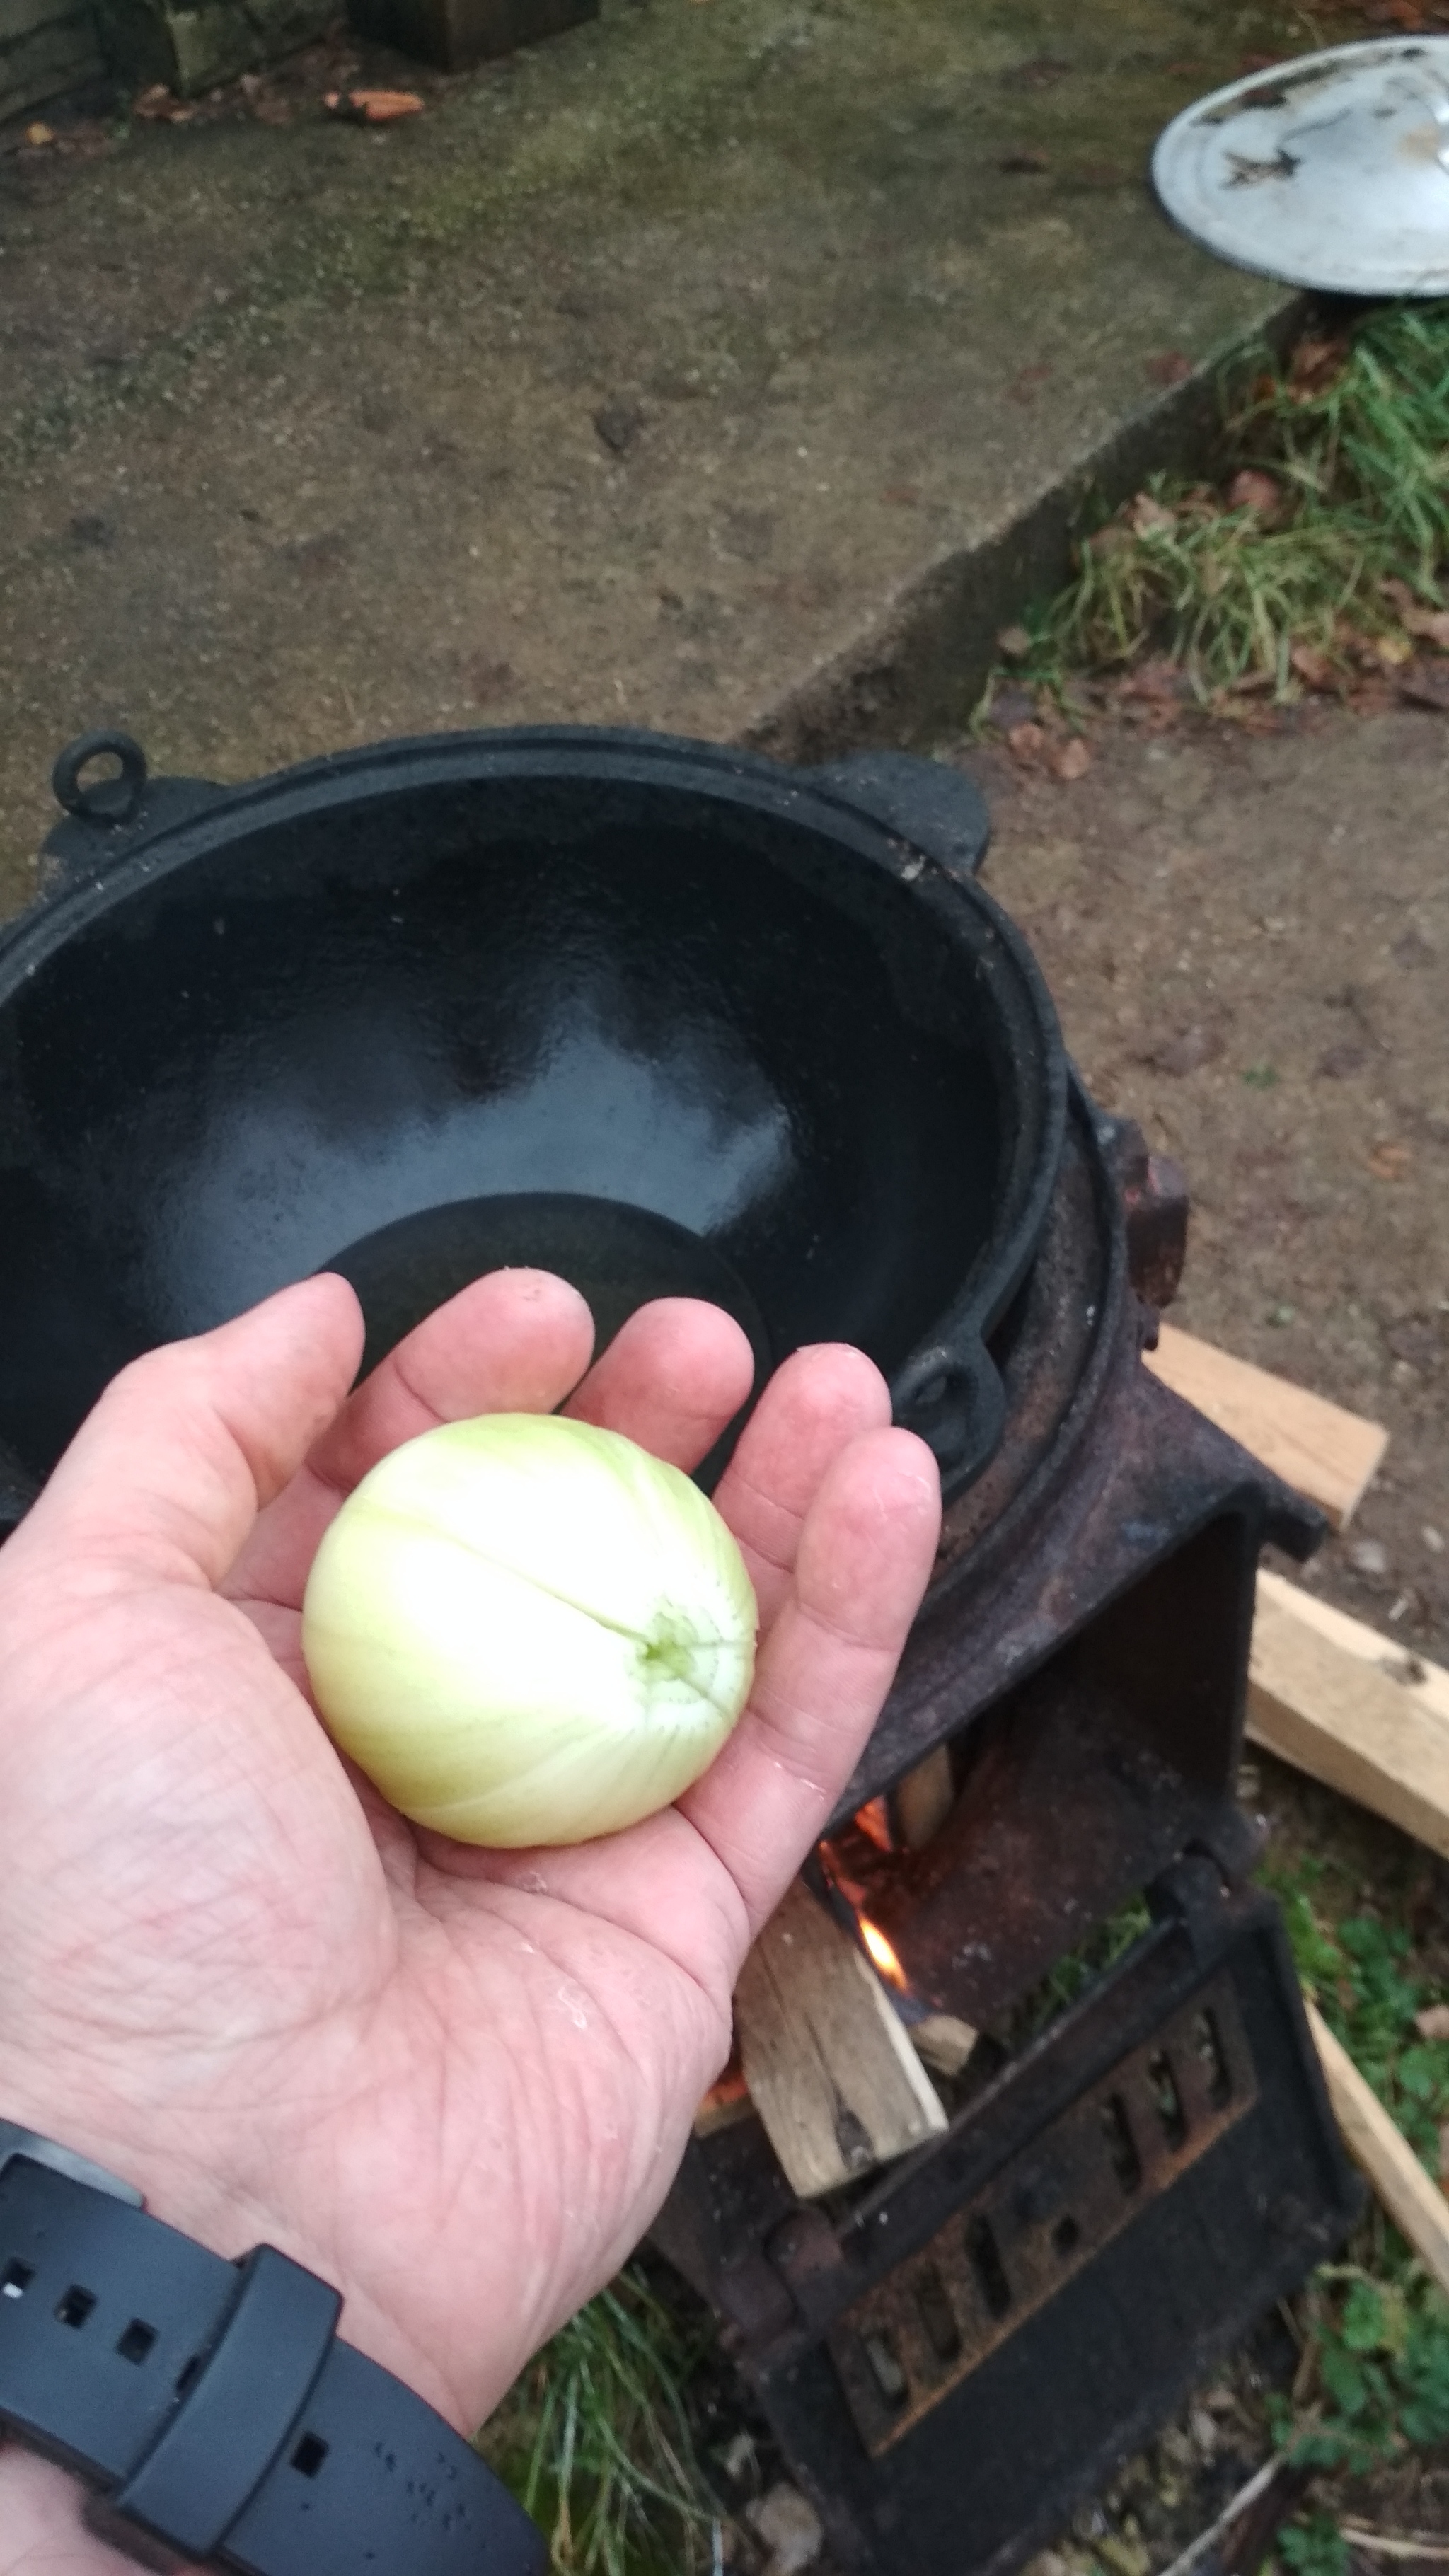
(158, 105)
(1313, 366)
(1164, 683)
(1389, 1162)
(1314, 669)
(1149, 518)
(37, 135)
(373, 106)
(1114, 539)
(1430, 625)
(1026, 743)
(1072, 762)
(1252, 490)
(1433, 2023)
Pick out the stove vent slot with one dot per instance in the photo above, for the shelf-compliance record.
(1121, 2145)
(938, 2316)
(1210, 2049)
(924, 2326)
(1167, 2098)
(986, 2262)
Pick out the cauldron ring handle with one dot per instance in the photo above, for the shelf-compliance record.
(112, 801)
(955, 1400)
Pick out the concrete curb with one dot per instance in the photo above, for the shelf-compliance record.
(913, 672)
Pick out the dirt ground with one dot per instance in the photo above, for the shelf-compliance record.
(639, 379)
(1248, 941)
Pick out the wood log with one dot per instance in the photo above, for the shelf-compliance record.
(924, 1799)
(943, 2042)
(1384, 2156)
(1329, 1454)
(830, 2069)
(1341, 1703)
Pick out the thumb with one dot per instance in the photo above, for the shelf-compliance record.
(166, 1476)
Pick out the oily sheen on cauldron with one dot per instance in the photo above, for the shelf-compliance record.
(657, 1015)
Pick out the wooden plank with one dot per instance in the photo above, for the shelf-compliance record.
(830, 2070)
(1327, 1453)
(1339, 1714)
(1383, 2154)
(1427, 1684)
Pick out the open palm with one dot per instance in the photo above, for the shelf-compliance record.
(456, 2082)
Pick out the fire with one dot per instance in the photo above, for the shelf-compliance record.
(883, 1957)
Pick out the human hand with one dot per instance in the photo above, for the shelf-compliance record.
(455, 2082)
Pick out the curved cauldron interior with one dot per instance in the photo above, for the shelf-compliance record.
(418, 1032)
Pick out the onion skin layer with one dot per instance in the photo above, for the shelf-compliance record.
(528, 1631)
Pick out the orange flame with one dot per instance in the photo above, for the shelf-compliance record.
(883, 1957)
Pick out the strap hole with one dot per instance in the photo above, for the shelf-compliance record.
(16, 2278)
(75, 2307)
(309, 2454)
(136, 2342)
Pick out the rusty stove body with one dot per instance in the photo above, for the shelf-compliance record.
(958, 2348)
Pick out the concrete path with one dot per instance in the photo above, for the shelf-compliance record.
(701, 369)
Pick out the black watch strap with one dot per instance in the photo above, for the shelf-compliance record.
(208, 2406)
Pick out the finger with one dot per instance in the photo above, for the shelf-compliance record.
(514, 1342)
(813, 1407)
(167, 1475)
(863, 1562)
(671, 1379)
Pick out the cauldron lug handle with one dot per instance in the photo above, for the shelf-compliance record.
(953, 1397)
(933, 806)
(102, 823)
(112, 802)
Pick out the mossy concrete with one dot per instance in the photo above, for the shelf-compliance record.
(722, 366)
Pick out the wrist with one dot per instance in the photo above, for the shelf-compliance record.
(41, 2529)
(230, 2212)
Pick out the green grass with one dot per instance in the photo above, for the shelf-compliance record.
(595, 2442)
(1353, 435)
(1080, 1968)
(1373, 2378)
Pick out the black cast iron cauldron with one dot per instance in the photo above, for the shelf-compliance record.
(657, 1015)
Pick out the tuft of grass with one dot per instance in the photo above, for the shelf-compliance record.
(1072, 1975)
(1373, 2378)
(1362, 1976)
(595, 2442)
(1321, 552)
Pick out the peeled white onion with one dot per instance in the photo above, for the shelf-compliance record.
(525, 1630)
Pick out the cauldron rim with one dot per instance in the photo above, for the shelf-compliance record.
(102, 863)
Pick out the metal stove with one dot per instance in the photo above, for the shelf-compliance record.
(957, 2349)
